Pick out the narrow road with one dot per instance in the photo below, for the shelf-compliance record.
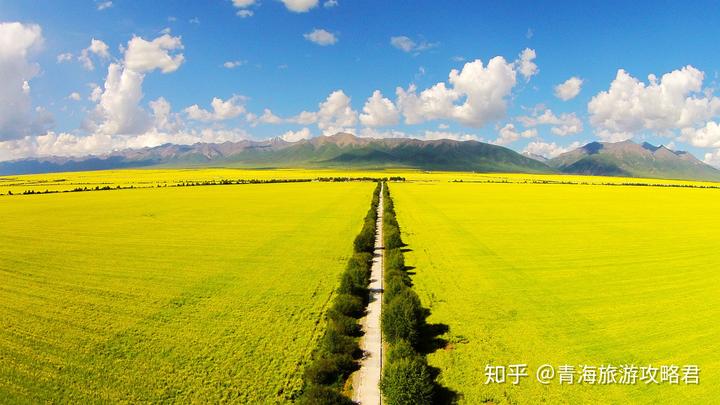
(367, 379)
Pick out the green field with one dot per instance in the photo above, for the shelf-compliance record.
(176, 294)
(567, 274)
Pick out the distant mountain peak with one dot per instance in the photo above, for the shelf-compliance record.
(341, 150)
(627, 158)
(651, 147)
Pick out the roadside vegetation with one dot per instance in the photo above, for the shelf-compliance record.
(407, 379)
(337, 354)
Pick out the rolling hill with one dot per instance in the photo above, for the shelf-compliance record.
(344, 150)
(630, 159)
(339, 150)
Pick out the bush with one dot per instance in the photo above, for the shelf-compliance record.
(403, 318)
(330, 369)
(392, 238)
(365, 241)
(394, 285)
(335, 342)
(349, 305)
(407, 381)
(318, 394)
(394, 259)
(343, 324)
(402, 349)
(356, 276)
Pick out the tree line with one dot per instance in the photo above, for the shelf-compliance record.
(338, 351)
(407, 378)
(188, 183)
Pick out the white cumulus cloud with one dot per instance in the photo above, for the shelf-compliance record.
(335, 114)
(300, 6)
(674, 102)
(379, 111)
(562, 125)
(17, 43)
(568, 89)
(221, 109)
(509, 134)
(526, 64)
(713, 158)
(97, 47)
(482, 90)
(549, 150)
(118, 111)
(144, 56)
(294, 136)
(707, 136)
(321, 37)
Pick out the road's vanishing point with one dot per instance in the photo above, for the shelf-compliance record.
(367, 379)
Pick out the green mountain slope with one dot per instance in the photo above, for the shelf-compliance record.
(633, 160)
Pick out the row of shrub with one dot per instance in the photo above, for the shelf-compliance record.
(336, 356)
(218, 183)
(407, 378)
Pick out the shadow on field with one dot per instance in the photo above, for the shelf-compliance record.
(430, 342)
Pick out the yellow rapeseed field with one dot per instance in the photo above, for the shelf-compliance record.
(567, 275)
(176, 294)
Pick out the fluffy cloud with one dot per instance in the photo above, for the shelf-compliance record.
(321, 37)
(300, 6)
(707, 136)
(483, 90)
(565, 124)
(103, 5)
(267, 117)
(118, 111)
(569, 89)
(330, 3)
(144, 56)
(525, 64)
(17, 43)
(221, 109)
(294, 136)
(64, 144)
(379, 111)
(713, 158)
(335, 114)
(427, 135)
(75, 96)
(242, 5)
(97, 47)
(165, 119)
(64, 57)
(509, 134)
(435, 135)
(549, 150)
(629, 106)
(406, 44)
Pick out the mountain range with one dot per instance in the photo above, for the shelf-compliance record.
(344, 150)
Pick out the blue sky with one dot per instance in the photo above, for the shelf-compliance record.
(187, 53)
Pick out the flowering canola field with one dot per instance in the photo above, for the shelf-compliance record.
(184, 294)
(568, 275)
